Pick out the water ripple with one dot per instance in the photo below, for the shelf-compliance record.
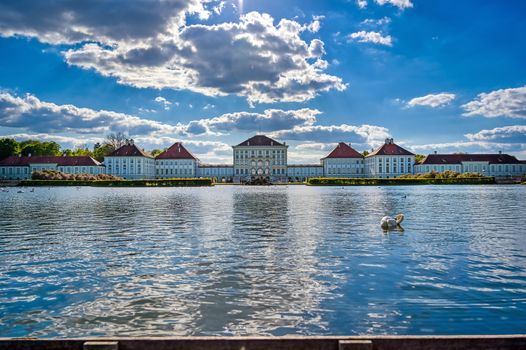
(278, 260)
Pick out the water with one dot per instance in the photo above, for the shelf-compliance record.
(234, 260)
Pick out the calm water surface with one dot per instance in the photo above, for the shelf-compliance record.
(234, 260)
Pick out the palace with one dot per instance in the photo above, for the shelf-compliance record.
(263, 158)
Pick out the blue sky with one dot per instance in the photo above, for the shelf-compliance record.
(444, 76)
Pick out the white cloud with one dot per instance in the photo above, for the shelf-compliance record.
(268, 121)
(150, 45)
(219, 7)
(206, 151)
(468, 146)
(371, 37)
(316, 146)
(361, 3)
(253, 58)
(499, 103)
(510, 139)
(432, 100)
(401, 4)
(65, 141)
(166, 104)
(509, 133)
(376, 22)
(314, 26)
(30, 113)
(369, 135)
(33, 115)
(73, 21)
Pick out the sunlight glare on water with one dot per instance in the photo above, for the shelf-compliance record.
(233, 260)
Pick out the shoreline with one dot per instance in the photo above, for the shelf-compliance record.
(209, 183)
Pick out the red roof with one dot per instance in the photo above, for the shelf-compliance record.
(60, 161)
(260, 140)
(389, 148)
(129, 150)
(344, 150)
(459, 158)
(176, 151)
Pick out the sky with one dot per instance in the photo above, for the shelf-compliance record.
(445, 76)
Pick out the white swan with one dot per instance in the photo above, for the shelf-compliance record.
(388, 223)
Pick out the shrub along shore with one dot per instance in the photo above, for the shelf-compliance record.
(326, 181)
(121, 183)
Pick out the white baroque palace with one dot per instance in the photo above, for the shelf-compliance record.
(130, 162)
(498, 165)
(388, 161)
(262, 157)
(21, 168)
(176, 161)
(343, 161)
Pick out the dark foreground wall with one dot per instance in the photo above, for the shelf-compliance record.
(274, 343)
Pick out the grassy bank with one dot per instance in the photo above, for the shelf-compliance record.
(120, 183)
(327, 181)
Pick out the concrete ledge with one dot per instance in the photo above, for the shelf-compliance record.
(355, 345)
(101, 345)
(485, 342)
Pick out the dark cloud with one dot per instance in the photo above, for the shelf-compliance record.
(31, 114)
(70, 21)
(253, 58)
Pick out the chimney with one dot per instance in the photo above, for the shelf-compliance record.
(350, 145)
(500, 152)
(435, 152)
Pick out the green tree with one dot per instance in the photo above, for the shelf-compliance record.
(156, 152)
(100, 151)
(419, 158)
(8, 147)
(38, 148)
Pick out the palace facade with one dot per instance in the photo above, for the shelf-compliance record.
(261, 157)
(498, 165)
(21, 167)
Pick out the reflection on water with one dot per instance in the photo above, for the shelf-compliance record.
(280, 260)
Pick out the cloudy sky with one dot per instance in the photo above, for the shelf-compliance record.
(435, 75)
